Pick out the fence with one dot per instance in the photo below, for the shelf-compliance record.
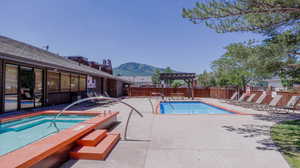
(135, 91)
(198, 92)
(219, 93)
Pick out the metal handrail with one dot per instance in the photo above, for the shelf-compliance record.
(133, 109)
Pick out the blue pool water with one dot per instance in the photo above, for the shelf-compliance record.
(18, 133)
(190, 108)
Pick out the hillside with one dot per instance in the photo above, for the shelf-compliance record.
(135, 69)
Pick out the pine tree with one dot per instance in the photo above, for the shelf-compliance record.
(263, 16)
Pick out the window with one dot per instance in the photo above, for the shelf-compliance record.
(82, 83)
(53, 81)
(11, 79)
(38, 89)
(11, 87)
(65, 82)
(38, 81)
(74, 82)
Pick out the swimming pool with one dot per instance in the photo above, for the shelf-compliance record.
(190, 108)
(18, 133)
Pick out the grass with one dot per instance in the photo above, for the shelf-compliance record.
(287, 136)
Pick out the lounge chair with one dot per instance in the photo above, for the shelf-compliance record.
(241, 99)
(250, 98)
(258, 102)
(233, 97)
(96, 101)
(272, 106)
(248, 101)
(291, 105)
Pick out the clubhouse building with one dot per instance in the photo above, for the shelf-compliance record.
(31, 77)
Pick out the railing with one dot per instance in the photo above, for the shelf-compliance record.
(98, 98)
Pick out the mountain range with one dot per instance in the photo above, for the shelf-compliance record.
(135, 69)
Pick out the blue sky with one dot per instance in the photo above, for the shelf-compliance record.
(145, 31)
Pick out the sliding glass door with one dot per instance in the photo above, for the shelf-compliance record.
(26, 87)
(23, 87)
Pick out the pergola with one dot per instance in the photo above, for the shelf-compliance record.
(187, 77)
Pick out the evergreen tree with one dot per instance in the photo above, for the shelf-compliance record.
(264, 16)
(155, 77)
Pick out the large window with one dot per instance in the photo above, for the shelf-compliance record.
(11, 87)
(82, 83)
(11, 79)
(65, 82)
(74, 82)
(53, 81)
(38, 81)
(38, 89)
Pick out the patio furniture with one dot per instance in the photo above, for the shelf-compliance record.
(95, 101)
(241, 99)
(250, 98)
(232, 98)
(272, 106)
(248, 101)
(291, 104)
(258, 102)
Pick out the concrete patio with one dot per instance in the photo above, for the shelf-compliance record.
(193, 141)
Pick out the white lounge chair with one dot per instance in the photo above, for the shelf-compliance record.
(241, 99)
(249, 100)
(258, 102)
(272, 106)
(291, 105)
(233, 97)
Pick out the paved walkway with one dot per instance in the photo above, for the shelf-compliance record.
(192, 141)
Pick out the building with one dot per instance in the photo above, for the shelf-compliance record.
(106, 66)
(275, 83)
(138, 81)
(32, 77)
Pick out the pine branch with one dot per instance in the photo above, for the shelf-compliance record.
(262, 11)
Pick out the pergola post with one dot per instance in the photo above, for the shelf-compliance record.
(187, 77)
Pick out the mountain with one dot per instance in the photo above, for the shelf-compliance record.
(135, 69)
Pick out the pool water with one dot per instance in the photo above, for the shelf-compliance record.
(19, 133)
(190, 108)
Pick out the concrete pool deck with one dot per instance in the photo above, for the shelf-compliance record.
(193, 141)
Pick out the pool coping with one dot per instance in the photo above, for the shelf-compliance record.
(157, 108)
(31, 154)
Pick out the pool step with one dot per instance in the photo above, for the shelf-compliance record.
(98, 152)
(93, 138)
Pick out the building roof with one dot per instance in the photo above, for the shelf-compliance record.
(18, 51)
(177, 76)
(138, 79)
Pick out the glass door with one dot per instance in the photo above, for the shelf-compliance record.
(27, 83)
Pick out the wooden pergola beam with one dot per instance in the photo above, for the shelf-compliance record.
(187, 77)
